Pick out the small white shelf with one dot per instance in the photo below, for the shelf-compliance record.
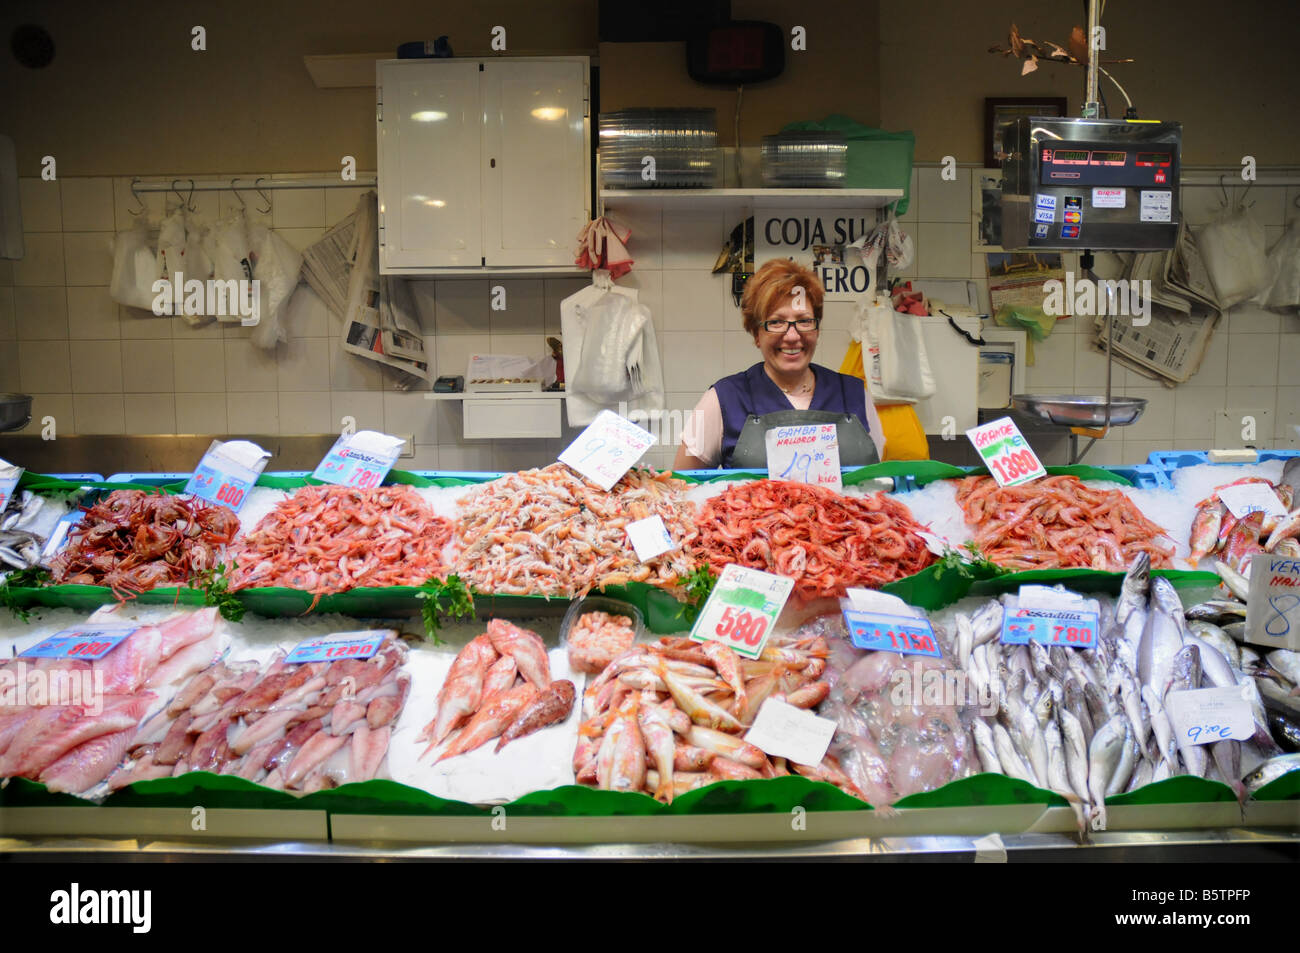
(499, 395)
(748, 198)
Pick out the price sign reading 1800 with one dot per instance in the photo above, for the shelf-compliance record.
(877, 631)
(742, 609)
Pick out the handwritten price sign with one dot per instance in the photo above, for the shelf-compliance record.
(87, 642)
(607, 449)
(341, 645)
(219, 478)
(361, 460)
(1005, 452)
(1206, 715)
(805, 454)
(742, 610)
(1273, 609)
(877, 631)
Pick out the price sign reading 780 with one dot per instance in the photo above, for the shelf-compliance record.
(742, 610)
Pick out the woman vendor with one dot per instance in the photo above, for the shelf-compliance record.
(782, 309)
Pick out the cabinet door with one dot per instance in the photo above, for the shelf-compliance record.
(430, 137)
(536, 167)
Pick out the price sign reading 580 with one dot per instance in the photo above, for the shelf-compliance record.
(742, 610)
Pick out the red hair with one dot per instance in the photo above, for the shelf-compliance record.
(774, 282)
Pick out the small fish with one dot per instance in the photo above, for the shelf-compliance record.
(1286, 662)
(490, 721)
(1133, 591)
(1270, 771)
(1286, 731)
(527, 648)
(547, 708)
(1210, 633)
(1287, 528)
(1104, 756)
(1218, 611)
(621, 763)
(1236, 583)
(1205, 531)
(701, 710)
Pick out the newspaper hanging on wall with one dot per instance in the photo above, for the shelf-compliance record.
(380, 320)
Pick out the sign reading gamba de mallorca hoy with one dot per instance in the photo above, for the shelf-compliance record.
(817, 240)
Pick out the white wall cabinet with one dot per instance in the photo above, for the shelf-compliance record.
(484, 164)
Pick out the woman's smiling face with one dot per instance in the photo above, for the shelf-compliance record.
(788, 352)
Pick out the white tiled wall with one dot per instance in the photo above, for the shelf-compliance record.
(98, 368)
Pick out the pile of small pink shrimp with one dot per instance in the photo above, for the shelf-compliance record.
(331, 538)
(824, 541)
(1057, 522)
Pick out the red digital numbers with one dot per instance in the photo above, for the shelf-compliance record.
(365, 479)
(89, 648)
(230, 495)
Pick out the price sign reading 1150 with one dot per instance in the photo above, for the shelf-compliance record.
(877, 631)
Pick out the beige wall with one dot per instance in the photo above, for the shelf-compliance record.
(836, 74)
(1228, 73)
(126, 95)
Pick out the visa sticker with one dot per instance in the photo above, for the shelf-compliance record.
(1045, 201)
(1044, 215)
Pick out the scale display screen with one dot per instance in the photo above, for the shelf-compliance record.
(1109, 158)
(1153, 159)
(1087, 164)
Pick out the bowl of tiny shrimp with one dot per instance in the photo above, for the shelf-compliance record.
(598, 629)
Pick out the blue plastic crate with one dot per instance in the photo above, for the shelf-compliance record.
(1170, 460)
(148, 479)
(77, 477)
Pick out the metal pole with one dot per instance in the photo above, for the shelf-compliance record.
(262, 182)
(1091, 104)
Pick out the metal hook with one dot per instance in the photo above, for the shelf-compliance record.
(257, 185)
(1224, 189)
(242, 203)
(1242, 202)
(185, 201)
(136, 196)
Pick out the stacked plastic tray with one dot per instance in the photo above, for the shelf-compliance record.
(804, 160)
(682, 142)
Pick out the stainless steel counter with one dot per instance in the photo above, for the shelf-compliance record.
(153, 453)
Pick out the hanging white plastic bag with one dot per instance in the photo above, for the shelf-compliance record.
(1233, 249)
(135, 265)
(894, 358)
(611, 346)
(276, 267)
(226, 245)
(196, 266)
(1283, 291)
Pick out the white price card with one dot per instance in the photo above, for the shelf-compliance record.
(607, 449)
(649, 537)
(1006, 452)
(227, 472)
(742, 609)
(1273, 606)
(360, 459)
(1246, 498)
(9, 477)
(808, 453)
(783, 731)
(1203, 716)
(59, 536)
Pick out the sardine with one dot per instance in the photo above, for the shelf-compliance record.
(1141, 775)
(1076, 753)
(1133, 591)
(1034, 743)
(987, 622)
(1058, 779)
(1286, 662)
(965, 641)
(1126, 686)
(984, 746)
(1103, 759)
(1221, 612)
(1270, 771)
(1237, 584)
(1227, 758)
(1212, 634)
(1013, 766)
(1161, 726)
(1078, 707)
(1128, 760)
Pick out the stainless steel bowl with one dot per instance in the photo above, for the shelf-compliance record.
(1080, 410)
(15, 411)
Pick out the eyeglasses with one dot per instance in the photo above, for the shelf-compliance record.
(802, 325)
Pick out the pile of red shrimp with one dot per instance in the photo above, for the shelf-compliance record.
(132, 541)
(330, 538)
(824, 541)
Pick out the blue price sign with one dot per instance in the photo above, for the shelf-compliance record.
(88, 643)
(9, 476)
(354, 645)
(877, 631)
(1074, 629)
(348, 466)
(217, 486)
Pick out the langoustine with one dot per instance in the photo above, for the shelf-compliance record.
(551, 532)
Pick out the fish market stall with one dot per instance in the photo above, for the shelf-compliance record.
(538, 719)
